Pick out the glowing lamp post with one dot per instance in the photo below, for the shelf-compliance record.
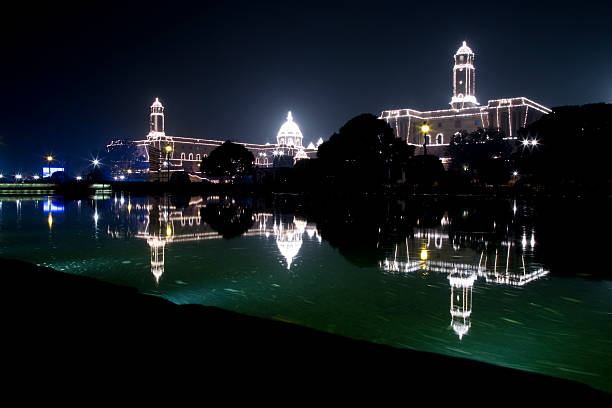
(168, 151)
(425, 130)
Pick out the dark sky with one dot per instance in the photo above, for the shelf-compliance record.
(75, 77)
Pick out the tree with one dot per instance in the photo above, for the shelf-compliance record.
(228, 160)
(482, 154)
(361, 152)
(567, 149)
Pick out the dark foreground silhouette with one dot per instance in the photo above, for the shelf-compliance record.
(65, 334)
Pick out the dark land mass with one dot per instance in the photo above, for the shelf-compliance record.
(66, 335)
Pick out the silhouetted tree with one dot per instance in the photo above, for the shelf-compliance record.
(361, 153)
(571, 151)
(229, 220)
(228, 160)
(483, 155)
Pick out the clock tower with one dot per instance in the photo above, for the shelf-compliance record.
(464, 79)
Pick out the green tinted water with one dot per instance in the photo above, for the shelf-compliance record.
(438, 288)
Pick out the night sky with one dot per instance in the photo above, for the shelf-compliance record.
(75, 77)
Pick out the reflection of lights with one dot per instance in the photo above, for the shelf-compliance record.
(532, 242)
(50, 220)
(423, 255)
(168, 231)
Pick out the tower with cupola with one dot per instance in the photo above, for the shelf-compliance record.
(464, 79)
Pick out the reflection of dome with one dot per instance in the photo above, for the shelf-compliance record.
(289, 133)
(464, 49)
(289, 244)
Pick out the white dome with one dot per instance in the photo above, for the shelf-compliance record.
(464, 49)
(289, 133)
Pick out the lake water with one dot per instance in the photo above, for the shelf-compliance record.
(467, 278)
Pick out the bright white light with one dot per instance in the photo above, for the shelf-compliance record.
(36, 177)
(534, 142)
(79, 178)
(115, 178)
(165, 164)
(95, 162)
(122, 177)
(515, 173)
(17, 176)
(1, 176)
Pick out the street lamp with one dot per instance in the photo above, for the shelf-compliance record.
(425, 129)
(168, 151)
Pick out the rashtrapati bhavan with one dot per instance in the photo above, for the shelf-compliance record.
(465, 113)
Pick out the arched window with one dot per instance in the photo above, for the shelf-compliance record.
(427, 139)
(198, 157)
(439, 138)
(182, 156)
(190, 156)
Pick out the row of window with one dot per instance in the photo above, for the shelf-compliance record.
(198, 157)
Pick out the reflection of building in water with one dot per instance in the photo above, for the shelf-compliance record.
(496, 266)
(161, 223)
(461, 301)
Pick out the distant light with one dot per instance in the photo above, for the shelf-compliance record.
(95, 162)
(115, 178)
(50, 220)
(1, 176)
(423, 255)
(49, 158)
(165, 164)
(168, 231)
(79, 177)
(526, 142)
(168, 148)
(129, 171)
(515, 173)
(36, 177)
(17, 176)
(534, 142)
(122, 177)
(425, 127)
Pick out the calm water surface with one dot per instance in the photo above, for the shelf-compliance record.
(456, 281)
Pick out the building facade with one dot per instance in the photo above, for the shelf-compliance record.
(158, 155)
(465, 113)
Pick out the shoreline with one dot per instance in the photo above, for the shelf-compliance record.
(87, 325)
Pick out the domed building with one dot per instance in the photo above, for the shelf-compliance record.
(289, 144)
(289, 135)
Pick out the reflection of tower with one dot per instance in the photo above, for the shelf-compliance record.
(461, 301)
(157, 256)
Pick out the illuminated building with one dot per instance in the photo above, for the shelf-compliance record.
(152, 156)
(465, 113)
